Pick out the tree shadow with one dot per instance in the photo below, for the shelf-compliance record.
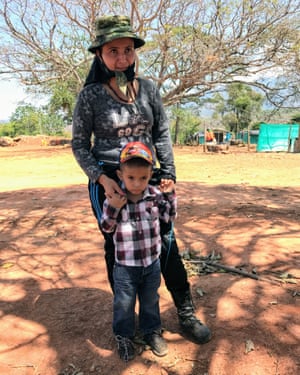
(56, 305)
(258, 229)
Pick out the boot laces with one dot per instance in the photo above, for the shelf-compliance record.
(125, 347)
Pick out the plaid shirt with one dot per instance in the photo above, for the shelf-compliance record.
(136, 226)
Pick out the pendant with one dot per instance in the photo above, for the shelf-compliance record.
(121, 82)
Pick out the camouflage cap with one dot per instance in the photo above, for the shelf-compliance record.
(109, 28)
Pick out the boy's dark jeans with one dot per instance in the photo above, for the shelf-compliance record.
(130, 283)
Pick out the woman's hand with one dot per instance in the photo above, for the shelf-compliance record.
(110, 186)
(117, 200)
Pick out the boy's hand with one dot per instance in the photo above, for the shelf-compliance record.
(116, 200)
(167, 186)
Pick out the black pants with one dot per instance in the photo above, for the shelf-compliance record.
(172, 267)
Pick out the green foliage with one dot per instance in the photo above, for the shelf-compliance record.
(53, 124)
(238, 108)
(28, 120)
(7, 130)
(183, 123)
(63, 97)
(296, 118)
(256, 126)
(280, 116)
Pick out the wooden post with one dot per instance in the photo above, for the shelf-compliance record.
(204, 144)
(289, 139)
(297, 141)
(248, 137)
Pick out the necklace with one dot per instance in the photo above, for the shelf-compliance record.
(119, 97)
(116, 94)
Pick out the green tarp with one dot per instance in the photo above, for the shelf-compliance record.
(277, 137)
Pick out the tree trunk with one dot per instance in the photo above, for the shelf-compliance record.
(177, 127)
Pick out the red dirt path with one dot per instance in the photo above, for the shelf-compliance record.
(56, 304)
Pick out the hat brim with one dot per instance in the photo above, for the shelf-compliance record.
(100, 41)
(136, 150)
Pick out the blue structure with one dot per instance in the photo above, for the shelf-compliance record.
(277, 137)
(243, 136)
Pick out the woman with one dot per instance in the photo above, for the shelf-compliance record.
(116, 107)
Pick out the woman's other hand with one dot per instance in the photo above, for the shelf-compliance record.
(110, 186)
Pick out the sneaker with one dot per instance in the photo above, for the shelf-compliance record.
(157, 343)
(138, 338)
(195, 329)
(125, 348)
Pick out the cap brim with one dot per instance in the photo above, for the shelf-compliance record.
(99, 42)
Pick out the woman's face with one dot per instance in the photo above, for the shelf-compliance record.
(118, 54)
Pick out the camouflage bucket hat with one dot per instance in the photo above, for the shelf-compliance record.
(113, 27)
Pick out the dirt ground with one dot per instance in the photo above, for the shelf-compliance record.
(239, 209)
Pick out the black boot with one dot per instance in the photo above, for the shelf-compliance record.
(191, 326)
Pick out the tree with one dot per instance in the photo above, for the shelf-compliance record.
(28, 120)
(184, 123)
(296, 117)
(7, 130)
(192, 47)
(239, 107)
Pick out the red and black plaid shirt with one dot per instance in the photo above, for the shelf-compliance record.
(136, 226)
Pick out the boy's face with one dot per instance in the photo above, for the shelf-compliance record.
(135, 178)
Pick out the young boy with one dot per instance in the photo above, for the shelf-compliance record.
(134, 219)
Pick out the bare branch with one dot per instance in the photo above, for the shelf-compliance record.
(192, 47)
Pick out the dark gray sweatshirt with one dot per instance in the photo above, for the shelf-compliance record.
(103, 125)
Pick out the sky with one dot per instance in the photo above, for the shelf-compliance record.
(11, 93)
